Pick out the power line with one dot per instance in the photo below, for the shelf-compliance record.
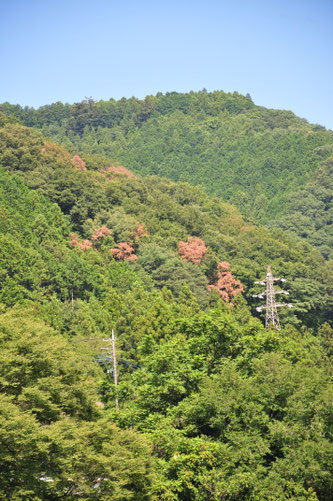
(271, 306)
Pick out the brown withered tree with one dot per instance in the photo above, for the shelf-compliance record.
(227, 286)
(124, 252)
(193, 250)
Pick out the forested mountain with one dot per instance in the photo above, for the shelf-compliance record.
(211, 404)
(93, 194)
(258, 159)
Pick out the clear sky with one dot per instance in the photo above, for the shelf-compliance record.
(278, 51)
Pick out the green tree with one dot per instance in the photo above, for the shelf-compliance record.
(54, 442)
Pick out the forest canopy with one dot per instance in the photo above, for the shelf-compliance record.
(258, 159)
(211, 405)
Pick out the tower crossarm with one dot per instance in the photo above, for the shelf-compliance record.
(263, 293)
(263, 281)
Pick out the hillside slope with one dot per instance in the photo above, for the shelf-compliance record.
(167, 213)
(248, 155)
(211, 404)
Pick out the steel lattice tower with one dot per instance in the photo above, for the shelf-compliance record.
(271, 307)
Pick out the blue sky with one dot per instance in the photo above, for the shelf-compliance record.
(280, 52)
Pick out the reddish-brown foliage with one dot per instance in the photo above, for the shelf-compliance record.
(79, 163)
(140, 231)
(85, 244)
(76, 242)
(227, 286)
(117, 169)
(192, 250)
(124, 252)
(99, 233)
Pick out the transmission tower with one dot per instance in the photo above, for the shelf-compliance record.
(271, 306)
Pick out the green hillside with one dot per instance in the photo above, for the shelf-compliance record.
(169, 213)
(245, 154)
(308, 213)
(211, 404)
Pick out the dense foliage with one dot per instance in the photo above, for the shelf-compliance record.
(211, 405)
(55, 444)
(258, 159)
(309, 211)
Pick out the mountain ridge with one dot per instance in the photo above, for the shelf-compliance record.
(210, 403)
(253, 157)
